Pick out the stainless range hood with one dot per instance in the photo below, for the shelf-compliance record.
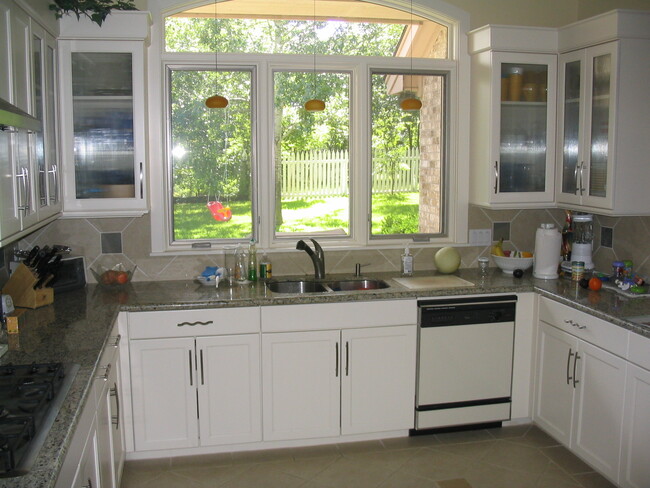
(12, 116)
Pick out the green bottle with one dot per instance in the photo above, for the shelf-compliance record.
(252, 261)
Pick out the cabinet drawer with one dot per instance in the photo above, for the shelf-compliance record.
(584, 326)
(639, 350)
(345, 315)
(184, 323)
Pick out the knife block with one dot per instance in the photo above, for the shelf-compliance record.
(21, 289)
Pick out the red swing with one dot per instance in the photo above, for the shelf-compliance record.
(219, 212)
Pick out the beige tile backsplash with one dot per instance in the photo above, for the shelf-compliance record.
(631, 238)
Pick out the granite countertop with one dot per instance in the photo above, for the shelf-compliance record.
(75, 328)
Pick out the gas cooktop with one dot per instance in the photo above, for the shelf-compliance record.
(30, 398)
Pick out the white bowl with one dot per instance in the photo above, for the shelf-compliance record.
(508, 265)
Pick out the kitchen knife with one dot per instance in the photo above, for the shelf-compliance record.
(30, 257)
(48, 272)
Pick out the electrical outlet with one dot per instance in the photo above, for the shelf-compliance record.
(480, 237)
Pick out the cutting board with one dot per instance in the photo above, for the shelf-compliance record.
(433, 282)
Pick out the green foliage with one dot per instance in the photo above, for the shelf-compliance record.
(95, 10)
(400, 224)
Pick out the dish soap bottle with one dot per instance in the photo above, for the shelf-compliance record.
(407, 263)
(252, 261)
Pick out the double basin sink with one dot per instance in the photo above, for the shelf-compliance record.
(320, 286)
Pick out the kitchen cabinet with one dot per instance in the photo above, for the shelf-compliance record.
(635, 469)
(580, 386)
(603, 112)
(353, 374)
(209, 359)
(104, 115)
(513, 124)
(28, 149)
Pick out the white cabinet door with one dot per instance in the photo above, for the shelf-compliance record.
(301, 387)
(635, 468)
(163, 377)
(555, 375)
(87, 475)
(104, 438)
(229, 389)
(378, 379)
(598, 410)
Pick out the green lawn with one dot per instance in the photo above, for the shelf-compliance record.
(398, 212)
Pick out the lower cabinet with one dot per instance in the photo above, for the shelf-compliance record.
(580, 388)
(215, 385)
(335, 382)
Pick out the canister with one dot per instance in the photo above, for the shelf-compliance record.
(548, 246)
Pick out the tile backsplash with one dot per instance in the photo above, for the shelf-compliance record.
(629, 238)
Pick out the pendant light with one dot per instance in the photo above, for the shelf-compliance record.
(314, 105)
(411, 104)
(216, 101)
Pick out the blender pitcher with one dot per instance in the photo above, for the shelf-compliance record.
(583, 237)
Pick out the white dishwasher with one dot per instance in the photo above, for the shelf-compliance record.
(464, 368)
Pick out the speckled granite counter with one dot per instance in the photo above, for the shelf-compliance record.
(76, 327)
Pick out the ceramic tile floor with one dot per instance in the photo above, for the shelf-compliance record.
(511, 457)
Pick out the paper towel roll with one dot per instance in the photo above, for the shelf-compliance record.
(548, 243)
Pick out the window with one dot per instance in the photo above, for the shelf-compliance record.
(361, 172)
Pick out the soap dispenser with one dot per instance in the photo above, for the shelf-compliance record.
(407, 263)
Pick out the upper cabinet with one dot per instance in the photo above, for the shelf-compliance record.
(513, 119)
(29, 153)
(604, 114)
(104, 116)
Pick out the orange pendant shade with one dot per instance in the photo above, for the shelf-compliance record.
(410, 104)
(216, 101)
(314, 105)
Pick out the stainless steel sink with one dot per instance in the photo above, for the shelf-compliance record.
(355, 285)
(313, 286)
(297, 286)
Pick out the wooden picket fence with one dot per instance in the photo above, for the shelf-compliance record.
(320, 174)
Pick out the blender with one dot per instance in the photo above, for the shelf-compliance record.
(583, 237)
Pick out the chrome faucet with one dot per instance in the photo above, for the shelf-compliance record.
(317, 256)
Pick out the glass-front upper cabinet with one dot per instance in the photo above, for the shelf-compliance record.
(586, 118)
(513, 126)
(104, 123)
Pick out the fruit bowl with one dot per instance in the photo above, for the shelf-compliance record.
(508, 264)
(117, 276)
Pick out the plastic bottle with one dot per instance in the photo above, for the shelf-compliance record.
(252, 261)
(407, 263)
(266, 269)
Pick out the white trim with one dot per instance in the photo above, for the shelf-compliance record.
(458, 138)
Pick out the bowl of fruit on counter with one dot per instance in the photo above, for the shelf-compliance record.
(510, 261)
(114, 276)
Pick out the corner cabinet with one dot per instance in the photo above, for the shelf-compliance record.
(604, 113)
(513, 122)
(104, 123)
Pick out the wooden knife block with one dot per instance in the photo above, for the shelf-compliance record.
(21, 289)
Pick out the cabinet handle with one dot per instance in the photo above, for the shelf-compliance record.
(575, 177)
(141, 181)
(116, 340)
(347, 358)
(201, 354)
(582, 188)
(115, 419)
(568, 363)
(570, 322)
(336, 368)
(107, 372)
(24, 175)
(54, 171)
(192, 324)
(89, 484)
(575, 363)
(496, 176)
(191, 378)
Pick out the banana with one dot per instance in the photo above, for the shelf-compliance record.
(497, 249)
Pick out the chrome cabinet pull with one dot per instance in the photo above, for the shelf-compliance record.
(55, 179)
(201, 354)
(347, 358)
(116, 340)
(89, 484)
(115, 419)
(192, 324)
(24, 176)
(336, 368)
(191, 377)
(141, 180)
(568, 363)
(575, 363)
(582, 188)
(575, 177)
(107, 372)
(496, 176)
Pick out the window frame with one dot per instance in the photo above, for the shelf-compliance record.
(456, 190)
